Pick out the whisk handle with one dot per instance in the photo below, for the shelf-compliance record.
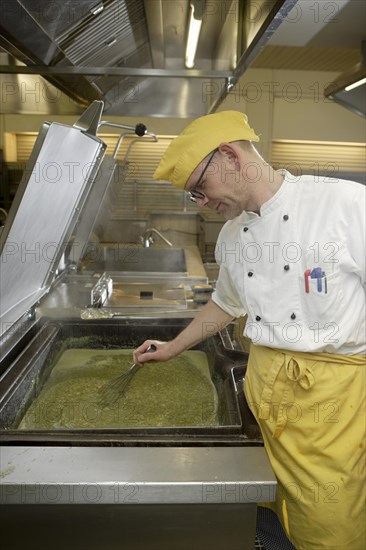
(132, 369)
(135, 366)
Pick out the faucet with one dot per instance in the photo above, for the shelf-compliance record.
(147, 239)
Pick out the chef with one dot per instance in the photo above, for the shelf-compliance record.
(292, 258)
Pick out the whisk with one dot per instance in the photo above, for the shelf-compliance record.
(116, 388)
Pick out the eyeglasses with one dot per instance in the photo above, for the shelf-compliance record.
(193, 194)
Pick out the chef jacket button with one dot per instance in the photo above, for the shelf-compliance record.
(258, 318)
(245, 229)
(250, 274)
(285, 217)
(286, 267)
(293, 316)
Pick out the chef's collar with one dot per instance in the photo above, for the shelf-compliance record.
(270, 205)
(278, 198)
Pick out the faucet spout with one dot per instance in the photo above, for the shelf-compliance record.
(147, 238)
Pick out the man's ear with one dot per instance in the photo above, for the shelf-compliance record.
(230, 153)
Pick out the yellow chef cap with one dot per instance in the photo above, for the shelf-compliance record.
(197, 140)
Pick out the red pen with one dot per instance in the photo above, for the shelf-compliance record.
(307, 275)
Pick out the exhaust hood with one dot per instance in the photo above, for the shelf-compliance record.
(349, 89)
(131, 53)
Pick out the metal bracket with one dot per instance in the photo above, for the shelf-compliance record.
(89, 120)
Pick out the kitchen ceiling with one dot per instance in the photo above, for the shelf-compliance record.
(318, 36)
(131, 53)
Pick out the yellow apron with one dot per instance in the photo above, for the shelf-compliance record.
(311, 411)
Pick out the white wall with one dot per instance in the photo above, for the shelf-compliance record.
(291, 105)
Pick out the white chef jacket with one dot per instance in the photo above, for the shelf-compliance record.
(298, 269)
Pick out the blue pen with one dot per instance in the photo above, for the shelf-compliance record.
(316, 273)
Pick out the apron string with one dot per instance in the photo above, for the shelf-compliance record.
(297, 373)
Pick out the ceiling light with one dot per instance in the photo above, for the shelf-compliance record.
(349, 88)
(194, 29)
(355, 85)
(97, 8)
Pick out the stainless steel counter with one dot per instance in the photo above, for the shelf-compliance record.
(143, 475)
(132, 498)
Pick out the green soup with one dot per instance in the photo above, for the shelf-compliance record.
(179, 392)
